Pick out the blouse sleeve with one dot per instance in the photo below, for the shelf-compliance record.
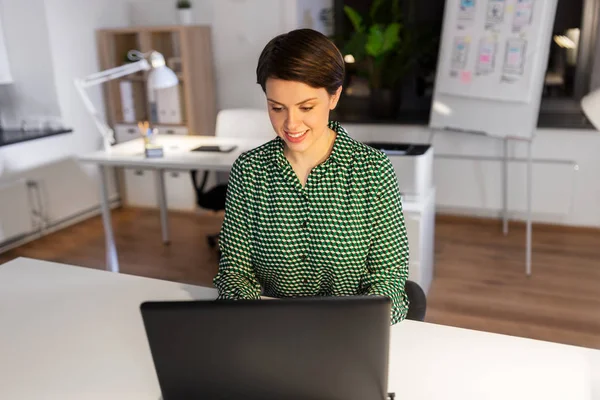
(387, 262)
(236, 278)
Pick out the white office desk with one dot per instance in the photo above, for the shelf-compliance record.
(73, 333)
(177, 156)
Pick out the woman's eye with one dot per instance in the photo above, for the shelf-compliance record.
(306, 108)
(277, 109)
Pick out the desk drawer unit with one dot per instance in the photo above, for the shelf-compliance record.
(140, 189)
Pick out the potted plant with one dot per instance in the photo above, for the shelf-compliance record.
(184, 8)
(384, 49)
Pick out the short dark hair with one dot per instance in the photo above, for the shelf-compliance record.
(302, 55)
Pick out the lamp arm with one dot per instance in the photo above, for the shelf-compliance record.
(114, 73)
(107, 132)
(108, 135)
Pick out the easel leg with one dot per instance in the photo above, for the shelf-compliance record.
(505, 189)
(529, 193)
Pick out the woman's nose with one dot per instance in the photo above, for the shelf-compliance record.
(293, 121)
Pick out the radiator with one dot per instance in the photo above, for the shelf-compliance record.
(15, 211)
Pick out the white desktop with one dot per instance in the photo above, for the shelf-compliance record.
(74, 333)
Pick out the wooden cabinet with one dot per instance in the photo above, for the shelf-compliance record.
(188, 52)
(5, 75)
(190, 108)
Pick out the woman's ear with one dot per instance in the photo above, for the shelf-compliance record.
(333, 100)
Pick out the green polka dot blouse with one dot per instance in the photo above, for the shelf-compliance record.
(341, 234)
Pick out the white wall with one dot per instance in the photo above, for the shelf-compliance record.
(241, 29)
(163, 12)
(26, 36)
(66, 31)
(308, 15)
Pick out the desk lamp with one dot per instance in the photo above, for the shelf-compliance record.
(160, 77)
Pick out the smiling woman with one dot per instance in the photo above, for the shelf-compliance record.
(312, 212)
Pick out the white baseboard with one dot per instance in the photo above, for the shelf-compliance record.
(115, 201)
(544, 218)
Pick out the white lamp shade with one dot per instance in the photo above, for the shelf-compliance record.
(591, 107)
(162, 78)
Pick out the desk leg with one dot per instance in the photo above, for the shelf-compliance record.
(505, 189)
(112, 262)
(162, 203)
(529, 205)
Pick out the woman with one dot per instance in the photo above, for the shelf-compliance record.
(312, 212)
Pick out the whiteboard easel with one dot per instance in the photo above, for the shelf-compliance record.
(490, 76)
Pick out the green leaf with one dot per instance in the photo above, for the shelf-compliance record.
(355, 18)
(374, 7)
(380, 42)
(375, 40)
(390, 37)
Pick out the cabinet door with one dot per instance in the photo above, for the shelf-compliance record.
(124, 133)
(140, 188)
(172, 130)
(180, 191)
(5, 75)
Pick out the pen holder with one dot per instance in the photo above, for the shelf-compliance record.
(151, 149)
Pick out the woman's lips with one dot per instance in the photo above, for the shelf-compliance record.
(295, 137)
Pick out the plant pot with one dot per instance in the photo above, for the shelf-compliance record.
(382, 104)
(185, 16)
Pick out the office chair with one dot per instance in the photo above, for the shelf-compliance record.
(418, 301)
(213, 199)
(235, 122)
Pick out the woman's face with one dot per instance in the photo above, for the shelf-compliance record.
(299, 113)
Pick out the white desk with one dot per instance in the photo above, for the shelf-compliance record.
(177, 156)
(73, 333)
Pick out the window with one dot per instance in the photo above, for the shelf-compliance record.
(408, 99)
(570, 64)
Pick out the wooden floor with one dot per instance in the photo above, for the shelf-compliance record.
(479, 283)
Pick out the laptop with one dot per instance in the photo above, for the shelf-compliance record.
(333, 348)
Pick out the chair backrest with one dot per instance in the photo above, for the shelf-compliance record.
(418, 301)
(244, 123)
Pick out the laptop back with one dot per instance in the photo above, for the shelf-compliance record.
(313, 348)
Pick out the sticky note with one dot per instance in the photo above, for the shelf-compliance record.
(466, 77)
(510, 8)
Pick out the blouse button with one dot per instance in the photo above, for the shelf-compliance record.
(305, 224)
